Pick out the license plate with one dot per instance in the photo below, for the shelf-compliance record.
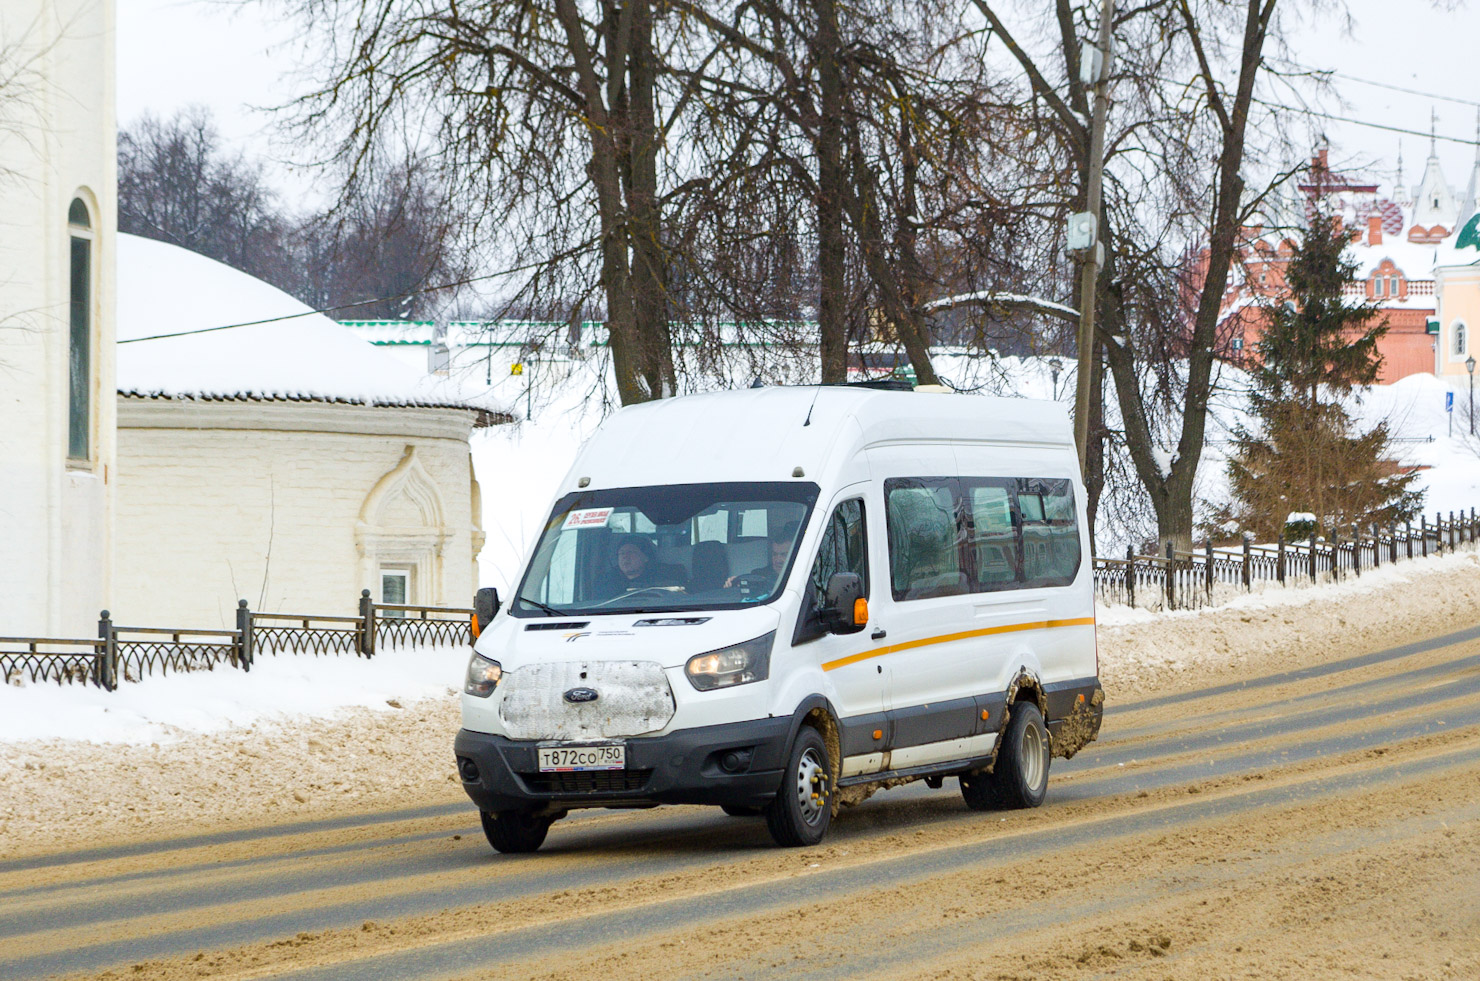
(566, 759)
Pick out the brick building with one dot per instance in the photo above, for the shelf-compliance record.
(1399, 244)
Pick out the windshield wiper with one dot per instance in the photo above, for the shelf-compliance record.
(549, 610)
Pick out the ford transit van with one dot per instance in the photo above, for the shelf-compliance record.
(778, 600)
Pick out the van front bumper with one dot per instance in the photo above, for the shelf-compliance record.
(690, 766)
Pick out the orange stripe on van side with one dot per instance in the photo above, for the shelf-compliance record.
(948, 638)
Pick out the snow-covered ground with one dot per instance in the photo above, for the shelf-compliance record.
(279, 688)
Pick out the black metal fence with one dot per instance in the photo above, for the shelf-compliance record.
(1187, 580)
(129, 653)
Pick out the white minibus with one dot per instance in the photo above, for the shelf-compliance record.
(777, 600)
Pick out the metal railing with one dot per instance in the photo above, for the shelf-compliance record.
(1180, 580)
(130, 653)
(34, 658)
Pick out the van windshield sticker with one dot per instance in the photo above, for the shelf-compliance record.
(672, 622)
(588, 518)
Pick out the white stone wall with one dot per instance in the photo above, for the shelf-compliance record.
(293, 506)
(57, 143)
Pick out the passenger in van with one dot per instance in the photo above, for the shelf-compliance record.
(781, 542)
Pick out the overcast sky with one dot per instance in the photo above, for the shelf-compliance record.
(234, 58)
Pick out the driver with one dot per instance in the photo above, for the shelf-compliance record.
(780, 552)
(635, 564)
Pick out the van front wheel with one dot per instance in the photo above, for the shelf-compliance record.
(513, 832)
(802, 809)
(1020, 777)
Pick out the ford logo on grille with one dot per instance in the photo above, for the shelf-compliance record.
(582, 695)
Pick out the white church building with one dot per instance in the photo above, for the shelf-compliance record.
(163, 478)
(57, 246)
(285, 462)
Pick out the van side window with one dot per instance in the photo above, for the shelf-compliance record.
(993, 536)
(844, 548)
(925, 537)
(1050, 532)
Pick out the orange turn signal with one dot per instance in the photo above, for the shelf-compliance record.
(860, 612)
(878, 733)
(985, 713)
(476, 629)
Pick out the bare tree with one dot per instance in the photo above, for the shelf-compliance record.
(542, 121)
(384, 252)
(870, 114)
(1186, 77)
(178, 183)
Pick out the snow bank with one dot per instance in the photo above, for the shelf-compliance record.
(279, 688)
(1281, 628)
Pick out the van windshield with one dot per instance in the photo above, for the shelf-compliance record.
(664, 549)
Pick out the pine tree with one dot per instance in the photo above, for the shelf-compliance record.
(1304, 452)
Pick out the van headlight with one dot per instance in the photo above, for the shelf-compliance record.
(483, 676)
(739, 664)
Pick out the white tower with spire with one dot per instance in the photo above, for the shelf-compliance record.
(1434, 208)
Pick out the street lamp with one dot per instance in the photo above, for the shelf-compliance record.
(1470, 367)
(1054, 367)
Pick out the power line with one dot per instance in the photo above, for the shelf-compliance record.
(1356, 122)
(1406, 91)
(1371, 125)
(334, 309)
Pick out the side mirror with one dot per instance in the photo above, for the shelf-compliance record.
(844, 610)
(485, 608)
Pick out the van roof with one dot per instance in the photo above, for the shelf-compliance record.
(765, 433)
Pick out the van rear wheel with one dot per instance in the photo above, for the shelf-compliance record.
(802, 809)
(1020, 777)
(515, 832)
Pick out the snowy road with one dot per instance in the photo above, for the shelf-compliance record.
(1315, 823)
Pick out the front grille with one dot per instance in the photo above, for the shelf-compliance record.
(590, 782)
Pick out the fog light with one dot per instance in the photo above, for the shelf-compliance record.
(735, 761)
(467, 769)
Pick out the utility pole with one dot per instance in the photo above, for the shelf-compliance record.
(1094, 68)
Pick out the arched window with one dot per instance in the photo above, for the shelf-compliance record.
(79, 355)
(1461, 343)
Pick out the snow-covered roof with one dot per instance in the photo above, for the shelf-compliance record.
(1415, 260)
(283, 351)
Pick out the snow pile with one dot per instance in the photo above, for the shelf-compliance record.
(1279, 628)
(279, 688)
(164, 289)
